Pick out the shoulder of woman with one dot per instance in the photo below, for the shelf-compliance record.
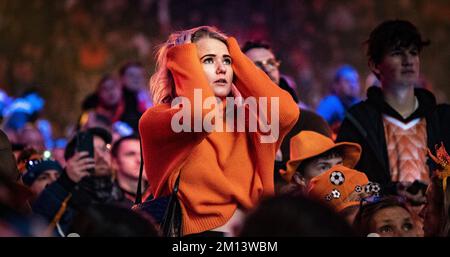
(156, 110)
(158, 115)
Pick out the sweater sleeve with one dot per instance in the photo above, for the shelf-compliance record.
(253, 82)
(187, 71)
(164, 146)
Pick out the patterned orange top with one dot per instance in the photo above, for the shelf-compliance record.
(407, 149)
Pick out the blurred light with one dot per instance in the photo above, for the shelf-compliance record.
(47, 154)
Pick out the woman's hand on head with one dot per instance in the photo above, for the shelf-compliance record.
(184, 38)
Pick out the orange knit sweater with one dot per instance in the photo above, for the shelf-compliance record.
(220, 171)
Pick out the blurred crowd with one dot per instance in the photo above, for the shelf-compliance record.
(63, 48)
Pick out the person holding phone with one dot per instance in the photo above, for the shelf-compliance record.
(222, 174)
(86, 179)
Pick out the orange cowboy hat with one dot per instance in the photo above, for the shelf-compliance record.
(341, 187)
(308, 144)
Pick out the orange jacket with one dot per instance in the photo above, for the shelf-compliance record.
(221, 171)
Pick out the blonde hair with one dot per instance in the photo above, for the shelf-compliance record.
(162, 85)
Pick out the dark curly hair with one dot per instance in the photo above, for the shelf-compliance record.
(255, 44)
(391, 34)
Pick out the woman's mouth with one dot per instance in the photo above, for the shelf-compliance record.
(408, 72)
(221, 82)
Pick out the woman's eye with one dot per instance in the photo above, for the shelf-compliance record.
(395, 53)
(227, 61)
(414, 53)
(408, 226)
(385, 229)
(208, 60)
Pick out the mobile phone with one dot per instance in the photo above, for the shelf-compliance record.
(85, 143)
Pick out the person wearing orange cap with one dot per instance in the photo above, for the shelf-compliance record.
(313, 154)
(342, 189)
(263, 56)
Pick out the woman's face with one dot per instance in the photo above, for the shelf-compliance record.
(216, 62)
(134, 78)
(393, 221)
(110, 93)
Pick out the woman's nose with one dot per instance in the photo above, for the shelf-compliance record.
(220, 68)
(407, 59)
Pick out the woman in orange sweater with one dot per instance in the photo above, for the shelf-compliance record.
(223, 174)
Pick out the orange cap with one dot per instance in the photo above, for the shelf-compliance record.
(341, 187)
(308, 144)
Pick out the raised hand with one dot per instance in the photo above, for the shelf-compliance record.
(184, 38)
(77, 166)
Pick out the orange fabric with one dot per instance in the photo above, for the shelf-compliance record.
(220, 171)
(407, 150)
(308, 144)
(93, 56)
(443, 160)
(336, 192)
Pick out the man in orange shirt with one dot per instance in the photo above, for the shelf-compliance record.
(397, 122)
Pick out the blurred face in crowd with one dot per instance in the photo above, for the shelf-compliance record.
(134, 78)
(128, 159)
(58, 155)
(216, 62)
(266, 61)
(32, 137)
(102, 156)
(400, 66)
(110, 93)
(393, 221)
(45, 178)
(348, 84)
